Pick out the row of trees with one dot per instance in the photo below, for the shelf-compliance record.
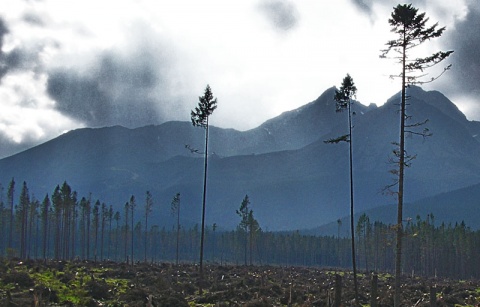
(64, 227)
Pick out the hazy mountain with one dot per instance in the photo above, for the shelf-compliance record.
(302, 187)
(449, 208)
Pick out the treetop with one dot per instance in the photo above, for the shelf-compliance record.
(206, 105)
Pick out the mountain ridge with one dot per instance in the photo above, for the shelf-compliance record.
(293, 178)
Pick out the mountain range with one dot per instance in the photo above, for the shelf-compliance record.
(292, 177)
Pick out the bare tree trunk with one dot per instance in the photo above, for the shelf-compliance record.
(401, 172)
(202, 236)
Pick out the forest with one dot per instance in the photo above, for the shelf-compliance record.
(67, 227)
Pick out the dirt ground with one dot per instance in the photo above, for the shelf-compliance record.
(119, 284)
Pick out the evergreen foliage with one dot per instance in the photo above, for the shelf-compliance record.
(412, 31)
(206, 105)
(343, 98)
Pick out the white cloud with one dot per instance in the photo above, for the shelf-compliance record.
(27, 114)
(260, 57)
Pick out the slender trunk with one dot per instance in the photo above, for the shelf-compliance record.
(37, 237)
(10, 194)
(251, 245)
(88, 229)
(31, 237)
(95, 222)
(401, 169)
(202, 237)
(352, 218)
(246, 247)
(102, 235)
(109, 234)
(74, 229)
(132, 235)
(116, 240)
(146, 236)
(178, 231)
(126, 236)
(23, 234)
(45, 232)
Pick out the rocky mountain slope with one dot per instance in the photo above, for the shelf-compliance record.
(294, 180)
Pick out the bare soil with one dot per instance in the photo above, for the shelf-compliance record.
(119, 284)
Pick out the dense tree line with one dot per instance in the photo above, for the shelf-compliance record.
(65, 227)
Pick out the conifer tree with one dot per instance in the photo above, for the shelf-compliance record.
(343, 98)
(411, 30)
(200, 116)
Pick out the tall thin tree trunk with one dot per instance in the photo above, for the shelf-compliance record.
(146, 237)
(352, 217)
(132, 234)
(88, 230)
(202, 236)
(178, 232)
(126, 233)
(401, 169)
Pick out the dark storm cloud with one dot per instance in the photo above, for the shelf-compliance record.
(3, 31)
(16, 59)
(464, 39)
(117, 92)
(281, 13)
(3, 56)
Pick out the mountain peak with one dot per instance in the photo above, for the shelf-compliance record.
(433, 98)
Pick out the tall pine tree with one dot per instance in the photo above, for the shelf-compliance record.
(200, 116)
(411, 30)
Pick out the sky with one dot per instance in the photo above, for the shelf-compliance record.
(71, 64)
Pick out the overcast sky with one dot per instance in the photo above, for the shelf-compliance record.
(69, 64)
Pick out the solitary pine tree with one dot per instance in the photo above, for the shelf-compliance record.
(343, 98)
(412, 31)
(206, 105)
